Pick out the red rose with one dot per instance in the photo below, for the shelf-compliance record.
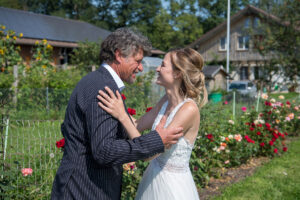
(259, 125)
(131, 111)
(123, 97)
(210, 137)
(284, 149)
(251, 128)
(275, 150)
(271, 143)
(258, 133)
(285, 133)
(288, 103)
(196, 168)
(148, 109)
(270, 112)
(262, 144)
(247, 123)
(268, 125)
(60, 143)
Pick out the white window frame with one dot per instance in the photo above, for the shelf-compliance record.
(244, 43)
(225, 45)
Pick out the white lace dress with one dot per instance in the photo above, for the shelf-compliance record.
(168, 177)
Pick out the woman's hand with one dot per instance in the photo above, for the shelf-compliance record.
(112, 104)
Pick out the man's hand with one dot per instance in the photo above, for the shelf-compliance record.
(169, 136)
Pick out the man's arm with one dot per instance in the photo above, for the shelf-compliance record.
(107, 148)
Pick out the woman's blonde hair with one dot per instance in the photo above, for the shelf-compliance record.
(190, 64)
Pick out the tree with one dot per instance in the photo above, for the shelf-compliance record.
(281, 40)
(213, 13)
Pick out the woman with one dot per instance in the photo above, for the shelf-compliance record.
(168, 175)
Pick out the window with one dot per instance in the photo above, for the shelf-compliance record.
(257, 73)
(243, 43)
(256, 22)
(223, 44)
(258, 39)
(244, 73)
(247, 22)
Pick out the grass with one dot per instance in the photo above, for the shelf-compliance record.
(277, 180)
(290, 95)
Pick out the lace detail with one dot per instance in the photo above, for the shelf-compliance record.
(175, 159)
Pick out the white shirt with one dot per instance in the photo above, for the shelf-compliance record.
(115, 76)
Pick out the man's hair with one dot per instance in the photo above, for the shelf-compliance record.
(127, 40)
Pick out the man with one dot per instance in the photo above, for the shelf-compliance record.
(96, 143)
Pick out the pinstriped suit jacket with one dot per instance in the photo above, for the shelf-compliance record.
(96, 145)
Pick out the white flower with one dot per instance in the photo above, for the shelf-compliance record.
(222, 138)
(215, 149)
(272, 100)
(256, 121)
(264, 96)
(51, 155)
(231, 122)
(277, 111)
(261, 121)
(281, 97)
(227, 151)
(230, 136)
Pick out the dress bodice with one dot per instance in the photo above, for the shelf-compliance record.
(176, 158)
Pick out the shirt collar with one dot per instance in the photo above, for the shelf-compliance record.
(115, 76)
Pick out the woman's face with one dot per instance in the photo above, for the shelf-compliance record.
(166, 75)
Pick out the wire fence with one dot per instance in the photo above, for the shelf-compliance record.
(29, 144)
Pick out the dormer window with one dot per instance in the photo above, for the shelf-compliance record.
(243, 43)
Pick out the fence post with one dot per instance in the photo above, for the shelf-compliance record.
(6, 138)
(233, 109)
(257, 104)
(47, 100)
(15, 84)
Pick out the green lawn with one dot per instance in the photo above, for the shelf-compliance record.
(277, 180)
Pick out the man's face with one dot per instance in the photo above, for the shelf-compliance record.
(130, 66)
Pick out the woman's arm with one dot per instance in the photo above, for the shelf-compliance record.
(114, 106)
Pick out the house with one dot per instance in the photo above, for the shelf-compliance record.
(63, 34)
(215, 78)
(244, 57)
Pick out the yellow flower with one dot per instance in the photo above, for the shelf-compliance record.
(38, 58)
(1, 52)
(36, 42)
(44, 41)
(49, 46)
(27, 67)
(7, 36)
(3, 27)
(18, 48)
(21, 35)
(14, 37)
(44, 66)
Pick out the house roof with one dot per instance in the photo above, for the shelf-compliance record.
(211, 70)
(38, 26)
(152, 61)
(246, 11)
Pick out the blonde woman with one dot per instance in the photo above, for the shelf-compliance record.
(168, 175)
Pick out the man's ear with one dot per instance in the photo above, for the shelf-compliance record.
(118, 56)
